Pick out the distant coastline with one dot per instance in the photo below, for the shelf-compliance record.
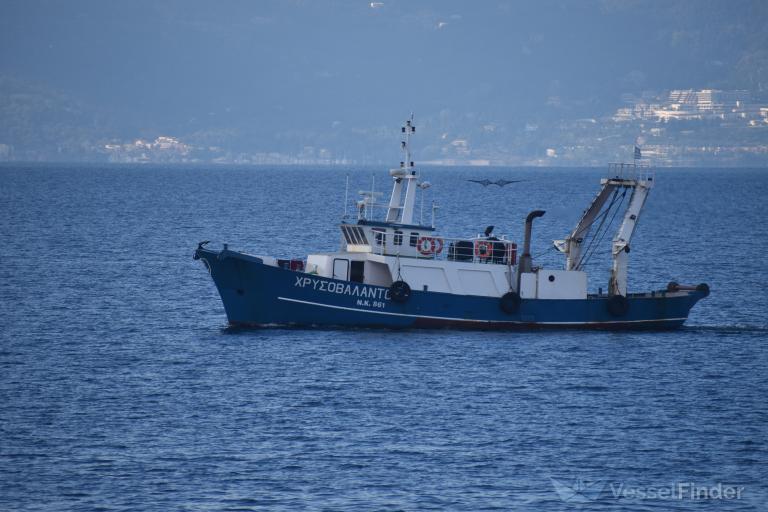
(350, 165)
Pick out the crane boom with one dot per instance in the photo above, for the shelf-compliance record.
(620, 246)
(572, 246)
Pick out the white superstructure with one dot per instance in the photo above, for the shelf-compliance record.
(381, 252)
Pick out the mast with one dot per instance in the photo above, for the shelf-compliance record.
(393, 212)
(404, 177)
(410, 174)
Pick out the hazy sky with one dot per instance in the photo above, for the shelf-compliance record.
(186, 66)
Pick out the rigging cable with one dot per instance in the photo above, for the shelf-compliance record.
(589, 256)
(602, 216)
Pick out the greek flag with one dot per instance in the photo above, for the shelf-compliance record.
(638, 153)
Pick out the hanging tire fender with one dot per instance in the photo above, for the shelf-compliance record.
(400, 291)
(617, 305)
(509, 303)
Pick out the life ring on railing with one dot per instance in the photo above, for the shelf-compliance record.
(483, 249)
(428, 245)
(425, 245)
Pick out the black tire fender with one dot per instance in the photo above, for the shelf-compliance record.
(617, 305)
(509, 303)
(400, 291)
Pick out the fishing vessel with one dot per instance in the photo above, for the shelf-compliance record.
(392, 271)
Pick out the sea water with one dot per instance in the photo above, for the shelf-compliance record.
(121, 387)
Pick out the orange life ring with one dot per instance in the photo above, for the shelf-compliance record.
(483, 249)
(426, 245)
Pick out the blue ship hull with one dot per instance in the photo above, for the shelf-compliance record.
(256, 294)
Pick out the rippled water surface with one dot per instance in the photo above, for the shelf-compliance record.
(121, 387)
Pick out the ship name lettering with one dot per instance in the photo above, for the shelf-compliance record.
(342, 289)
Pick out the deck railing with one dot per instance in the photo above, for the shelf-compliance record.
(641, 171)
(489, 250)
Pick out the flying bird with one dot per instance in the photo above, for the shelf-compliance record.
(500, 183)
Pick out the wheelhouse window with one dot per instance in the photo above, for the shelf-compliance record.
(414, 239)
(379, 236)
(354, 235)
(347, 234)
(360, 234)
(398, 238)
